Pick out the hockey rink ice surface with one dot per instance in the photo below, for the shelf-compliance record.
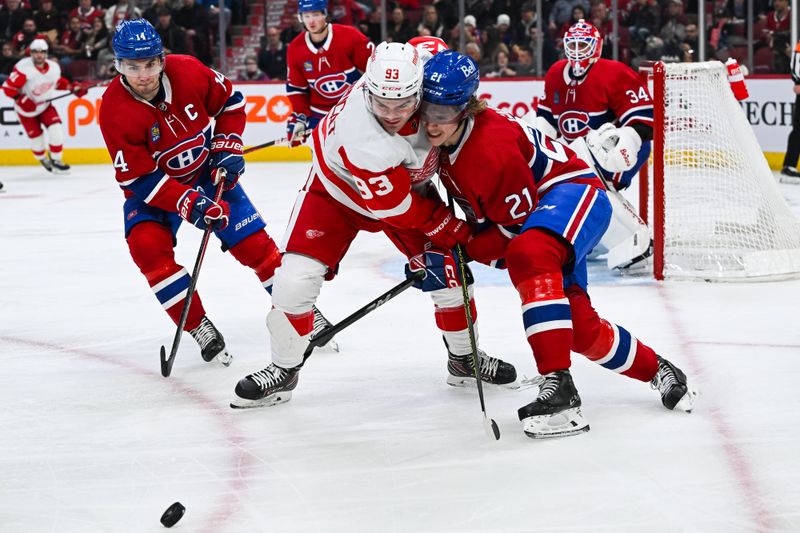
(373, 440)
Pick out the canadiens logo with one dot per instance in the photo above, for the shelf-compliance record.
(573, 124)
(184, 158)
(155, 133)
(332, 85)
(307, 66)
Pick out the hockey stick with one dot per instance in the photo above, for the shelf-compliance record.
(283, 141)
(70, 93)
(489, 425)
(167, 362)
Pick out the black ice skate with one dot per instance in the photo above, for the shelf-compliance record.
(270, 386)
(556, 412)
(59, 167)
(675, 391)
(493, 371)
(212, 344)
(320, 323)
(47, 164)
(790, 175)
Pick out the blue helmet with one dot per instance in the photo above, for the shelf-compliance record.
(312, 5)
(136, 39)
(450, 79)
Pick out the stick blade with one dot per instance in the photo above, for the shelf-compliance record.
(491, 428)
(166, 364)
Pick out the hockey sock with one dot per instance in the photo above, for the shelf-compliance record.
(56, 140)
(452, 320)
(259, 252)
(38, 147)
(534, 261)
(150, 245)
(607, 344)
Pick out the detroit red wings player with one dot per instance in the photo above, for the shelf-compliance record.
(31, 84)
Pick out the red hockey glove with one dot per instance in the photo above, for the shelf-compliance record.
(445, 230)
(226, 152)
(78, 89)
(296, 128)
(26, 104)
(202, 211)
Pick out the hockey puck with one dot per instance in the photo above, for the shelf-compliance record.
(173, 513)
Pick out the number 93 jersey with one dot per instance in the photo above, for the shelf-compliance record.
(158, 150)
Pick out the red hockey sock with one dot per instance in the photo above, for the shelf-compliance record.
(259, 252)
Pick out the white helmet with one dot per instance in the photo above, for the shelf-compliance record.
(39, 45)
(394, 71)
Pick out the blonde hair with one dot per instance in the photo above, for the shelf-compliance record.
(475, 106)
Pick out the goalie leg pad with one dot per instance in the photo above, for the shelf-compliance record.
(627, 238)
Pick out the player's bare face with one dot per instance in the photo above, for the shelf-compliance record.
(442, 134)
(143, 75)
(315, 23)
(39, 57)
(393, 114)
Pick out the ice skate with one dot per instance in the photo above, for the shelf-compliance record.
(493, 371)
(211, 342)
(59, 167)
(47, 164)
(556, 412)
(671, 383)
(320, 323)
(790, 175)
(270, 386)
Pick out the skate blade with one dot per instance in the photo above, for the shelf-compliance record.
(456, 381)
(268, 401)
(330, 347)
(60, 172)
(789, 179)
(224, 357)
(686, 404)
(564, 424)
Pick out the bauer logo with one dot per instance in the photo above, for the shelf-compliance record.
(573, 124)
(184, 158)
(332, 85)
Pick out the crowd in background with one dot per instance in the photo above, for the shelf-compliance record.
(501, 35)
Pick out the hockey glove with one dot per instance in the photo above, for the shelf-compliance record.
(441, 270)
(26, 104)
(226, 152)
(445, 230)
(202, 211)
(78, 89)
(296, 128)
(615, 149)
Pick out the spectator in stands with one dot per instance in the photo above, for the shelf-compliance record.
(471, 33)
(527, 19)
(86, 13)
(173, 37)
(213, 11)
(151, 13)
(549, 51)
(398, 29)
(194, 19)
(48, 21)
(782, 52)
(371, 26)
(500, 64)
(251, 71)
(498, 33)
(643, 20)
(474, 51)
(7, 61)
(524, 66)
(561, 12)
(12, 16)
(673, 29)
(348, 12)
(777, 21)
(122, 10)
(294, 29)
(430, 22)
(689, 44)
(70, 43)
(448, 14)
(577, 14)
(23, 38)
(96, 40)
(272, 57)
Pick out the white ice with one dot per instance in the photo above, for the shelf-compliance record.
(95, 440)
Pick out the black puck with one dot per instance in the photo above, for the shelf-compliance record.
(173, 513)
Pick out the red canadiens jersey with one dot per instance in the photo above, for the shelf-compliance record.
(158, 151)
(610, 92)
(501, 187)
(318, 77)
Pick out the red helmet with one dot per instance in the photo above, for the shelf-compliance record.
(583, 45)
(434, 45)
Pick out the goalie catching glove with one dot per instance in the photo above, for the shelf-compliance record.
(614, 149)
(441, 270)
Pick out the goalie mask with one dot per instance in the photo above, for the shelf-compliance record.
(583, 45)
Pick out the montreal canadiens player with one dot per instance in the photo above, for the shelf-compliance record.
(323, 63)
(168, 123)
(537, 205)
(371, 172)
(31, 85)
(602, 105)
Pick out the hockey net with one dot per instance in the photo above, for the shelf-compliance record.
(717, 212)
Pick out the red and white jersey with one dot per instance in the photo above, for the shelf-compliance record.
(502, 186)
(36, 83)
(159, 151)
(372, 172)
(610, 92)
(318, 76)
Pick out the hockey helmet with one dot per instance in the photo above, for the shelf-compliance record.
(432, 44)
(304, 6)
(451, 79)
(583, 45)
(394, 71)
(136, 39)
(38, 45)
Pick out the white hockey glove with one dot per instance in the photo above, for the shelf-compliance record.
(540, 123)
(615, 149)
